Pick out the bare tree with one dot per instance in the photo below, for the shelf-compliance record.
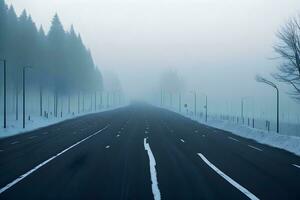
(288, 50)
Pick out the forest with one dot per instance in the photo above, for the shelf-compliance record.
(57, 63)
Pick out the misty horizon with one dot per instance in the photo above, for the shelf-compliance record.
(215, 41)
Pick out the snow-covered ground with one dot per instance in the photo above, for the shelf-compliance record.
(282, 141)
(15, 127)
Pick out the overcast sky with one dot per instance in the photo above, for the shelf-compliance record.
(216, 45)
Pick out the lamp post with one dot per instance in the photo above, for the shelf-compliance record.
(107, 99)
(179, 101)
(263, 80)
(4, 91)
(242, 109)
(161, 97)
(205, 106)
(195, 102)
(24, 94)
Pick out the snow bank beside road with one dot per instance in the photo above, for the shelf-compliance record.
(282, 140)
(289, 143)
(15, 127)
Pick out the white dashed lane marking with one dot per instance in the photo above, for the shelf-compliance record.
(182, 140)
(107, 147)
(231, 138)
(32, 137)
(15, 142)
(256, 148)
(298, 166)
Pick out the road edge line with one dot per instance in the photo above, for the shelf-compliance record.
(228, 179)
(11, 184)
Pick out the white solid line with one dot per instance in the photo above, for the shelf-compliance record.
(230, 180)
(155, 189)
(107, 147)
(233, 139)
(298, 166)
(253, 147)
(15, 142)
(182, 140)
(45, 162)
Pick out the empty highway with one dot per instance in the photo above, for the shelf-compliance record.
(143, 152)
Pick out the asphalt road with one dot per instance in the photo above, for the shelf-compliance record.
(143, 152)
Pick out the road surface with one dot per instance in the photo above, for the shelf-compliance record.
(143, 152)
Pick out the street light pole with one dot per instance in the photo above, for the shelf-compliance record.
(263, 80)
(205, 108)
(24, 94)
(179, 102)
(242, 110)
(277, 91)
(195, 102)
(107, 100)
(4, 92)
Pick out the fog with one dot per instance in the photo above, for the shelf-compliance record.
(216, 47)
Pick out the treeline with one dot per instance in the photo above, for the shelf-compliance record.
(60, 61)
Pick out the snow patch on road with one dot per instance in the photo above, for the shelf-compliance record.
(155, 189)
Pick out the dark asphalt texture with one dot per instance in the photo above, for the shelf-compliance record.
(114, 164)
